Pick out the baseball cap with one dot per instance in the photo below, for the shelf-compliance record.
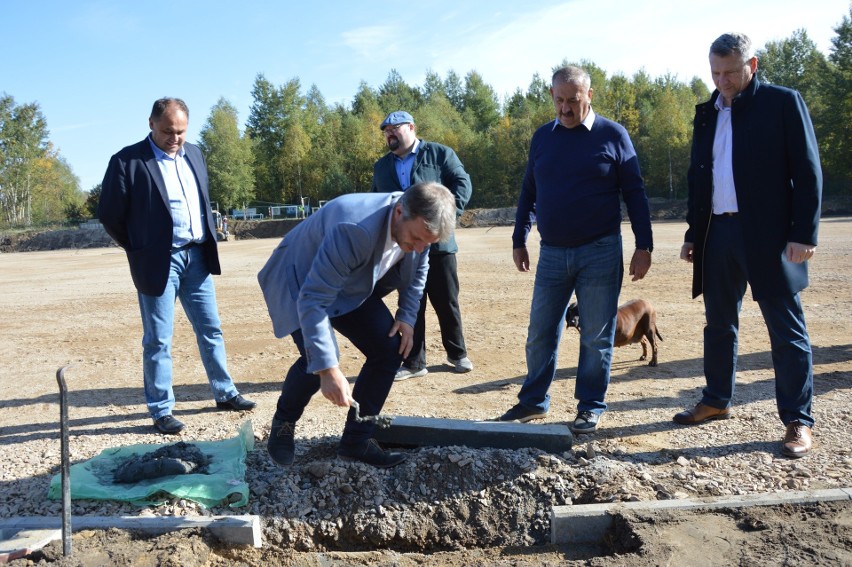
(397, 117)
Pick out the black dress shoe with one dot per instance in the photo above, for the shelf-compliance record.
(281, 446)
(168, 424)
(237, 403)
(369, 452)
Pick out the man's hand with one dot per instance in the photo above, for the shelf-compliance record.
(686, 252)
(406, 333)
(335, 387)
(522, 259)
(640, 264)
(798, 253)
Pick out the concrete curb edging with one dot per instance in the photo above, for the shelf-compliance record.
(23, 535)
(587, 523)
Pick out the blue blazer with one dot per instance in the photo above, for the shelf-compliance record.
(328, 265)
(134, 210)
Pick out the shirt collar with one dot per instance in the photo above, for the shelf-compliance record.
(160, 154)
(413, 151)
(587, 122)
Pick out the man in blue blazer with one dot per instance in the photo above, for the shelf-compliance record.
(155, 205)
(330, 273)
(755, 187)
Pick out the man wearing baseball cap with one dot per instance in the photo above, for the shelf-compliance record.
(410, 161)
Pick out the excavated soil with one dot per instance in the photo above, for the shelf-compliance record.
(453, 506)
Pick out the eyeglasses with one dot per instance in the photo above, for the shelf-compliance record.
(395, 128)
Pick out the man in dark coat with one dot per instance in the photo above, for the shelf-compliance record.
(755, 187)
(155, 204)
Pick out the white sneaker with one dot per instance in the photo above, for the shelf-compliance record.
(404, 373)
(461, 365)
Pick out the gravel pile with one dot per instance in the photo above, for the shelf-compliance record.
(446, 498)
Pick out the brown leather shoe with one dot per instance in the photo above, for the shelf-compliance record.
(701, 413)
(797, 441)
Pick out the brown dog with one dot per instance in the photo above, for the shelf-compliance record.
(636, 323)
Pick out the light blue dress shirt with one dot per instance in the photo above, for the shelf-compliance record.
(184, 198)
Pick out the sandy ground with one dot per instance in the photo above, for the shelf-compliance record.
(79, 308)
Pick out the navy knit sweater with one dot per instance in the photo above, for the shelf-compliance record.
(572, 185)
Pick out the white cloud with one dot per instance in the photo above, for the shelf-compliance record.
(373, 43)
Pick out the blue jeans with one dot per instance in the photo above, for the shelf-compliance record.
(594, 272)
(367, 327)
(725, 278)
(189, 280)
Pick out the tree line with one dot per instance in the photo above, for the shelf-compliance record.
(296, 146)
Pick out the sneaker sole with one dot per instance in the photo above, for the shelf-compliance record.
(578, 430)
(418, 374)
(458, 369)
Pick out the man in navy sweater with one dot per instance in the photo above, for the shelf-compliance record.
(580, 167)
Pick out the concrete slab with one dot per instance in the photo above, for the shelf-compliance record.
(16, 543)
(428, 431)
(587, 523)
(235, 530)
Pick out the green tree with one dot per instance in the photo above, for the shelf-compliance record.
(534, 106)
(274, 111)
(92, 200)
(834, 124)
(23, 142)
(699, 89)
(55, 190)
(665, 148)
(433, 86)
(794, 62)
(296, 147)
(623, 109)
(480, 103)
(396, 94)
(230, 162)
(322, 165)
(454, 90)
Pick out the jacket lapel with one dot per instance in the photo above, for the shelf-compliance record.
(154, 171)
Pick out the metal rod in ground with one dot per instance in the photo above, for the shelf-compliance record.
(66, 462)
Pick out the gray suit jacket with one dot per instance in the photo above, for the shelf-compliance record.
(328, 266)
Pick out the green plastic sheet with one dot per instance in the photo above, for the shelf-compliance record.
(223, 483)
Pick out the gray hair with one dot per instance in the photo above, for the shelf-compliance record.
(433, 203)
(162, 104)
(572, 76)
(733, 44)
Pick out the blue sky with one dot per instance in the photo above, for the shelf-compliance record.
(95, 66)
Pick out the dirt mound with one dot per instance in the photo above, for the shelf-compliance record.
(55, 240)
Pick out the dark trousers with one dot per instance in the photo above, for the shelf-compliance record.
(725, 278)
(442, 290)
(367, 328)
